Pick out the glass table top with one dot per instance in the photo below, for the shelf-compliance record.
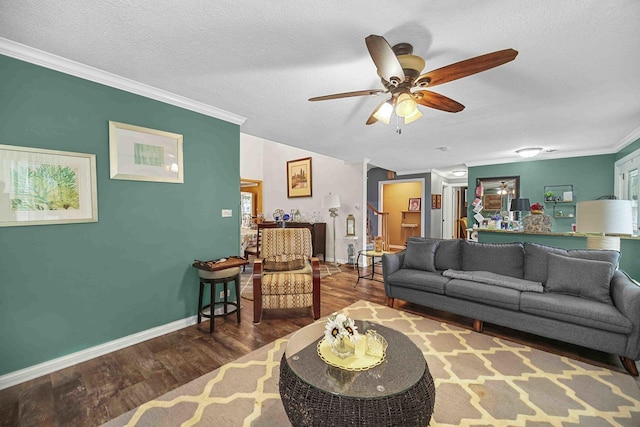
(402, 368)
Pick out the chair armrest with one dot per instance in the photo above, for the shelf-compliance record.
(315, 266)
(625, 294)
(390, 264)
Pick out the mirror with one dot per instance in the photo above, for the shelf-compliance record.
(496, 193)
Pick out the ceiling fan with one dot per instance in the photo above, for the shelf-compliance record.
(399, 70)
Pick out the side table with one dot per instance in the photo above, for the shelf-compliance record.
(372, 255)
(214, 272)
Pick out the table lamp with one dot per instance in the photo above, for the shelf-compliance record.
(604, 221)
(332, 202)
(519, 206)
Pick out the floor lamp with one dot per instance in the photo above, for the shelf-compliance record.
(332, 202)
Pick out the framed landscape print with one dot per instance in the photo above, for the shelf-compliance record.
(39, 187)
(142, 154)
(299, 178)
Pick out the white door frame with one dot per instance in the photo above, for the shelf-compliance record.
(381, 185)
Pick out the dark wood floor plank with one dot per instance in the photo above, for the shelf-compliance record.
(93, 392)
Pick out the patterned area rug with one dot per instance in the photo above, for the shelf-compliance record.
(246, 289)
(480, 381)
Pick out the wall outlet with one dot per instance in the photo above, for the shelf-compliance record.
(226, 213)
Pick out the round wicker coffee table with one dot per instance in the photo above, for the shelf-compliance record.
(398, 392)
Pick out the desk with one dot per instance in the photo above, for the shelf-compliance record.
(372, 255)
(399, 391)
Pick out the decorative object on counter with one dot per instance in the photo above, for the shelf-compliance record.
(537, 209)
(332, 202)
(518, 206)
(299, 183)
(538, 223)
(341, 334)
(607, 219)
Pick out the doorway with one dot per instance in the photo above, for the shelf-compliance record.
(403, 200)
(251, 197)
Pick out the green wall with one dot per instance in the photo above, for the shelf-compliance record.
(591, 176)
(65, 288)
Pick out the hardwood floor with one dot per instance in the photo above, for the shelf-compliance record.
(93, 392)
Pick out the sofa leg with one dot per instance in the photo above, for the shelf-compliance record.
(477, 325)
(390, 302)
(629, 365)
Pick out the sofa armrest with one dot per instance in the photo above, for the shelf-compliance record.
(390, 264)
(625, 294)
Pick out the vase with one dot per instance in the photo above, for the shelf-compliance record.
(343, 348)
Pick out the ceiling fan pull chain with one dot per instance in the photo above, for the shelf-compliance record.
(398, 129)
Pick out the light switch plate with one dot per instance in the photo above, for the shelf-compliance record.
(226, 213)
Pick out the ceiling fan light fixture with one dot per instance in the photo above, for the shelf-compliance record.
(406, 106)
(529, 152)
(411, 62)
(383, 113)
(413, 117)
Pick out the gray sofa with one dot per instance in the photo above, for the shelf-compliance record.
(577, 296)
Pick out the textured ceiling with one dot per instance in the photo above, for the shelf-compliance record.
(573, 88)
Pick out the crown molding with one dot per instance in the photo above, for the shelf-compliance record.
(627, 140)
(73, 68)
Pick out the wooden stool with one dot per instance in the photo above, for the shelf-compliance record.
(224, 308)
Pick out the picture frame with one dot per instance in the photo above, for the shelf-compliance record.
(492, 202)
(137, 153)
(414, 204)
(41, 187)
(299, 178)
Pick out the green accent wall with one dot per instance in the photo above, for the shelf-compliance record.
(591, 176)
(65, 288)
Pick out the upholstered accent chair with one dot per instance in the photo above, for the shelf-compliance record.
(286, 275)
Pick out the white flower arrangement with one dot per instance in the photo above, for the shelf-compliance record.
(340, 326)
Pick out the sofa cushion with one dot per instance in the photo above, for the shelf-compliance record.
(420, 255)
(500, 258)
(417, 279)
(484, 294)
(580, 311)
(536, 264)
(448, 254)
(495, 279)
(580, 277)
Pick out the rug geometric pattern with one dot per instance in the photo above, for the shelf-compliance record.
(480, 381)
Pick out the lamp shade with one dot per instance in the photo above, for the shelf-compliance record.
(331, 201)
(604, 216)
(520, 205)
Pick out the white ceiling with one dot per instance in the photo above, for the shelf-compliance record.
(574, 87)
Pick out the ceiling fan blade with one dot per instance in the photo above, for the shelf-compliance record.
(386, 61)
(466, 68)
(348, 94)
(437, 101)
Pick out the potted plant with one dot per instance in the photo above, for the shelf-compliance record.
(549, 195)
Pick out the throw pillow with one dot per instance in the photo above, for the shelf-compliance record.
(272, 265)
(500, 258)
(580, 277)
(421, 255)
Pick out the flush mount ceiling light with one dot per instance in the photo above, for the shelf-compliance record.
(529, 152)
(459, 173)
